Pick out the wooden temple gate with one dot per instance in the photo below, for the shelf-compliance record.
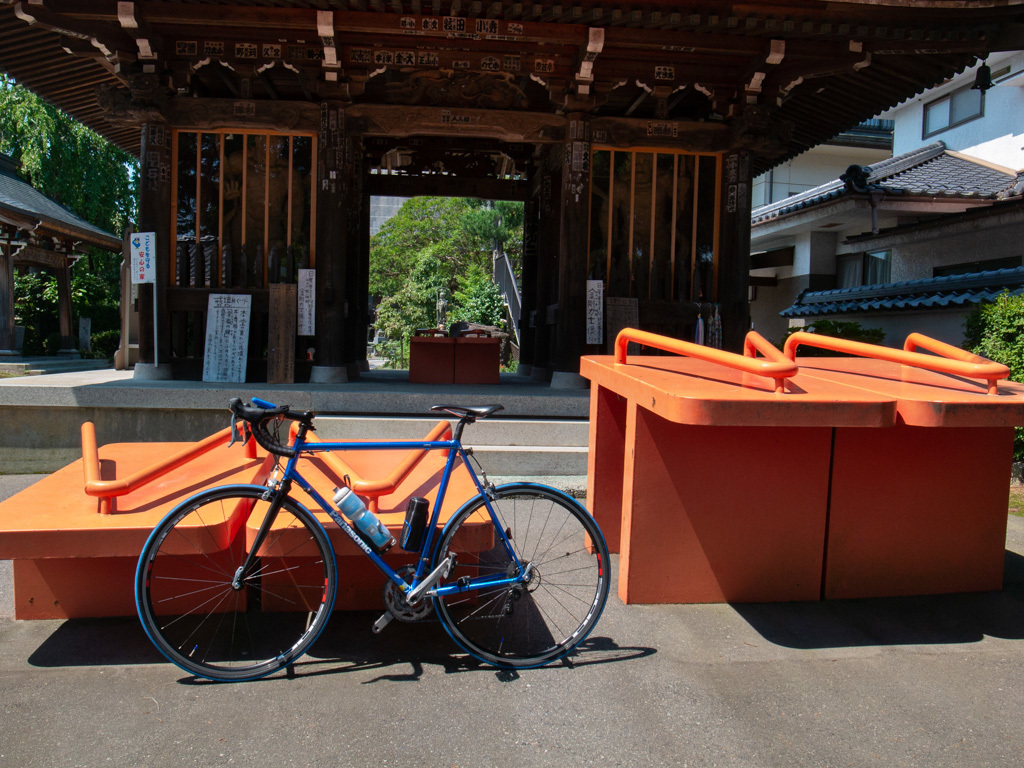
(631, 134)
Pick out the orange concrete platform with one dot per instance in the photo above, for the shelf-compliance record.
(858, 478)
(919, 508)
(72, 562)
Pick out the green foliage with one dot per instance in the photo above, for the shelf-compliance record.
(422, 225)
(996, 331)
(477, 300)
(439, 250)
(90, 177)
(67, 161)
(840, 329)
(105, 344)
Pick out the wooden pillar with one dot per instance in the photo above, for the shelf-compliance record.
(155, 216)
(570, 331)
(68, 348)
(357, 222)
(546, 274)
(335, 184)
(6, 296)
(734, 250)
(527, 336)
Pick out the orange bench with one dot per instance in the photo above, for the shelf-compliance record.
(721, 478)
(72, 561)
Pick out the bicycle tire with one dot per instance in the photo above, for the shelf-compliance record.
(533, 623)
(194, 616)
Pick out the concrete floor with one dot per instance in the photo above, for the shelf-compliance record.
(929, 681)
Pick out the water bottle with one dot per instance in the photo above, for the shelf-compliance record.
(364, 521)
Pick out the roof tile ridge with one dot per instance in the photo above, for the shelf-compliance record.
(808, 194)
(894, 165)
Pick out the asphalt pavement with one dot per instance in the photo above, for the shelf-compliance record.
(929, 681)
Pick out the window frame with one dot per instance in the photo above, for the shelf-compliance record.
(948, 99)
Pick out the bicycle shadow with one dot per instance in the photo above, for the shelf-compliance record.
(346, 646)
(885, 621)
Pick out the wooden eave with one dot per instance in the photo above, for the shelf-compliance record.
(816, 67)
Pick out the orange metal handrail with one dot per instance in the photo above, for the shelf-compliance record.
(374, 489)
(775, 367)
(952, 360)
(107, 490)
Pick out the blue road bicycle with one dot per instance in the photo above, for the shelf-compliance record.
(238, 581)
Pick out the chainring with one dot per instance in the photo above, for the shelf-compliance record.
(398, 606)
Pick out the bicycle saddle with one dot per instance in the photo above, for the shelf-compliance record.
(472, 413)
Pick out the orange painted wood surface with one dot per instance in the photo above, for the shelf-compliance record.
(710, 514)
(477, 360)
(72, 562)
(431, 360)
(716, 486)
(918, 510)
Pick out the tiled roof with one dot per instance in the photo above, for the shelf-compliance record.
(926, 171)
(24, 200)
(948, 291)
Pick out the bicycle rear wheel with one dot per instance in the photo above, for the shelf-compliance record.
(531, 623)
(199, 621)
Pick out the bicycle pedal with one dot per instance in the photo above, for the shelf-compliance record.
(382, 622)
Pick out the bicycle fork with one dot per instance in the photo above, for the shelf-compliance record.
(277, 500)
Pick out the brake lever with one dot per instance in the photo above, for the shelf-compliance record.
(246, 431)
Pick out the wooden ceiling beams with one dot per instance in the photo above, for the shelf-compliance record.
(584, 49)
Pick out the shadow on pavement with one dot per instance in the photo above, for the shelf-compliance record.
(926, 620)
(401, 652)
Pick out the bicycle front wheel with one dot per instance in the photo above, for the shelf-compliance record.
(209, 626)
(535, 621)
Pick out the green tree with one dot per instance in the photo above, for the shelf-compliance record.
(87, 175)
(434, 250)
(501, 225)
(423, 224)
(477, 300)
(996, 331)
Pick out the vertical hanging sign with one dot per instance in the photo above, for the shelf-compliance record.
(143, 268)
(227, 337)
(307, 302)
(595, 311)
(143, 253)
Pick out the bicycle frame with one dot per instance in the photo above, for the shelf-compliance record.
(455, 451)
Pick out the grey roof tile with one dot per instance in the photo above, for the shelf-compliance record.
(928, 170)
(950, 290)
(22, 198)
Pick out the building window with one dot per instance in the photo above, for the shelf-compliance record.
(971, 267)
(868, 268)
(952, 110)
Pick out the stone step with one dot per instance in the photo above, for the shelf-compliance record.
(504, 447)
(492, 431)
(37, 366)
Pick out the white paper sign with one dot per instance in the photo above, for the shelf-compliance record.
(143, 252)
(595, 311)
(227, 337)
(307, 302)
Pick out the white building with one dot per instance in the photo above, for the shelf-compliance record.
(892, 247)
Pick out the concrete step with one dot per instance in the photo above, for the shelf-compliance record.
(37, 366)
(504, 447)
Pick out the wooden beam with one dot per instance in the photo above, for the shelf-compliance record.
(779, 257)
(446, 186)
